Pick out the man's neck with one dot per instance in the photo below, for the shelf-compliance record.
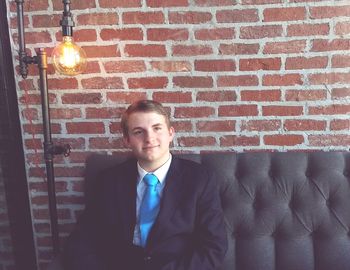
(152, 166)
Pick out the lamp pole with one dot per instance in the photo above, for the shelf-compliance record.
(40, 60)
(48, 146)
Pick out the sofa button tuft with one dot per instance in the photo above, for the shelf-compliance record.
(308, 174)
(255, 204)
(270, 174)
(147, 258)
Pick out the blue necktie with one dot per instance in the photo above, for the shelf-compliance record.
(149, 207)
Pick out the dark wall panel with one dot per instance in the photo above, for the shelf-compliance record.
(16, 236)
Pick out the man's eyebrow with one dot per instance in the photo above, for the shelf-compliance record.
(154, 125)
(135, 128)
(158, 125)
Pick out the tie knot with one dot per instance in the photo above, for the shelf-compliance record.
(150, 179)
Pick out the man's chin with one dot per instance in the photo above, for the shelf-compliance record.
(147, 157)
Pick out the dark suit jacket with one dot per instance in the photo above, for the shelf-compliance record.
(188, 234)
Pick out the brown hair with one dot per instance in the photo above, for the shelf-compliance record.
(143, 106)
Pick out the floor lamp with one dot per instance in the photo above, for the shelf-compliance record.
(68, 59)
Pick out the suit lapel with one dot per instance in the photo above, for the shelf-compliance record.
(170, 199)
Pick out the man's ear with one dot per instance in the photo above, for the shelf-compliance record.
(172, 132)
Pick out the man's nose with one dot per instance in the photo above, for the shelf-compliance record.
(149, 135)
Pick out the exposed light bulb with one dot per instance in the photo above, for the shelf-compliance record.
(68, 58)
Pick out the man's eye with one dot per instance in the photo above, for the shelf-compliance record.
(137, 132)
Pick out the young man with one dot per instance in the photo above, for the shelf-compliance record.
(153, 212)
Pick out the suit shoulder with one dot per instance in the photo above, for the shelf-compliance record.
(104, 177)
(121, 166)
(193, 166)
(188, 162)
(119, 169)
(198, 177)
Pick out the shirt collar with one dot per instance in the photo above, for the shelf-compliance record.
(161, 172)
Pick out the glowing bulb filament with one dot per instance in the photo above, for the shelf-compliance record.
(68, 59)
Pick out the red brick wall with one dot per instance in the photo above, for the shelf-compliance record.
(245, 75)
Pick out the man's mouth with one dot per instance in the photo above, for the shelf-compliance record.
(150, 147)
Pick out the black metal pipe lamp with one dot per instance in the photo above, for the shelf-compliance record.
(68, 59)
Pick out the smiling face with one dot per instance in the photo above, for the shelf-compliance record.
(149, 138)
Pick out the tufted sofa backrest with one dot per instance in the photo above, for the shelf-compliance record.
(283, 211)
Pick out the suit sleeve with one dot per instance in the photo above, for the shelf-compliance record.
(210, 236)
(80, 250)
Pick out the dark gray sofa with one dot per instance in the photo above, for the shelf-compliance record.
(283, 211)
